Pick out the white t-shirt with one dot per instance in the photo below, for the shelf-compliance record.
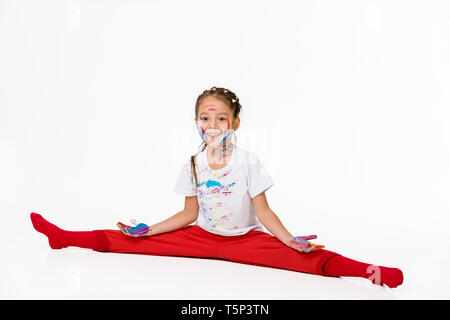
(224, 195)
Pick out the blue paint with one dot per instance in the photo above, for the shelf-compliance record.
(213, 183)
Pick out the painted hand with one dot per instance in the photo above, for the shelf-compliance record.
(140, 230)
(302, 244)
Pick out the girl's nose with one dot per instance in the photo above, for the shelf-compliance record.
(212, 123)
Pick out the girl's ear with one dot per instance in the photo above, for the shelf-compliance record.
(236, 123)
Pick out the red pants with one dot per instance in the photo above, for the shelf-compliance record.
(254, 248)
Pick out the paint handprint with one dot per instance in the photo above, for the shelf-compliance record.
(140, 229)
(302, 244)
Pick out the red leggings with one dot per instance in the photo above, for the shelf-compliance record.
(254, 248)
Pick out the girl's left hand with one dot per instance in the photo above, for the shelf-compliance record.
(302, 244)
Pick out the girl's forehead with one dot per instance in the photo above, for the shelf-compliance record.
(213, 106)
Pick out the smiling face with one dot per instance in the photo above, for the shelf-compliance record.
(215, 122)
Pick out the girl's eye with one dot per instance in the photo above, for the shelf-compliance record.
(206, 118)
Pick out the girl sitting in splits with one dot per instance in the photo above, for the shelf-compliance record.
(224, 188)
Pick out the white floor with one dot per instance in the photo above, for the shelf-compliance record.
(34, 271)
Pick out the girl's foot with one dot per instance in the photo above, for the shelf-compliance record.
(392, 277)
(55, 235)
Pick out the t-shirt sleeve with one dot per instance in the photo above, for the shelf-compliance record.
(185, 184)
(259, 179)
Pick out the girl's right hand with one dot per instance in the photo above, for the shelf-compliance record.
(140, 230)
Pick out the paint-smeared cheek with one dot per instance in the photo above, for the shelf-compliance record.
(230, 123)
(202, 132)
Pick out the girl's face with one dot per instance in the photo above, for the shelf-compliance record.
(215, 122)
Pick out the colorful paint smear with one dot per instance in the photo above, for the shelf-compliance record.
(140, 230)
(302, 244)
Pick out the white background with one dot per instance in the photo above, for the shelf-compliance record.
(347, 104)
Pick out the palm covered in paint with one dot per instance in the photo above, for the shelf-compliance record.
(302, 244)
(140, 229)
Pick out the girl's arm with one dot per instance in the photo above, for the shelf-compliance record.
(186, 216)
(175, 222)
(270, 220)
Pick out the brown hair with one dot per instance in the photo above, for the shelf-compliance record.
(224, 95)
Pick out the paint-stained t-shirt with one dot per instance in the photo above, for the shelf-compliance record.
(224, 195)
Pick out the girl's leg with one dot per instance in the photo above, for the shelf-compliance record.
(189, 241)
(260, 248)
(263, 249)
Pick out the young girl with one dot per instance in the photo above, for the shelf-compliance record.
(224, 188)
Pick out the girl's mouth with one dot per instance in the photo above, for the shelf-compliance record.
(213, 134)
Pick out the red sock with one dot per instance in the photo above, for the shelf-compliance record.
(59, 238)
(345, 267)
